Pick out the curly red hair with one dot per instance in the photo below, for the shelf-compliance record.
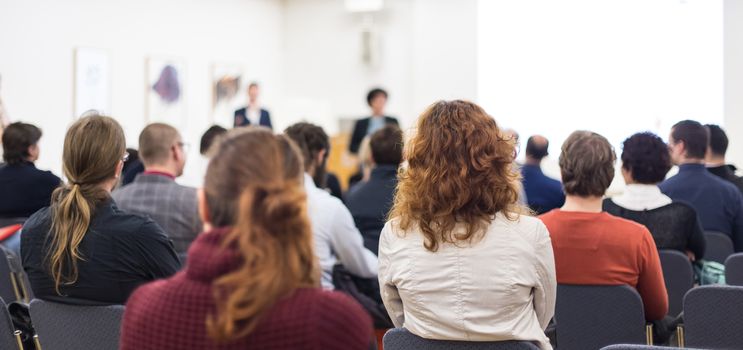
(460, 171)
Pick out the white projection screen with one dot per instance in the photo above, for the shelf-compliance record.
(611, 66)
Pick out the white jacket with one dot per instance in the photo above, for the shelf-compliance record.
(499, 288)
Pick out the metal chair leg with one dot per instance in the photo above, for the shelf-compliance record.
(18, 340)
(649, 334)
(680, 336)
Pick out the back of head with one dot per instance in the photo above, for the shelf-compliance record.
(460, 170)
(155, 143)
(260, 194)
(646, 157)
(92, 154)
(311, 140)
(210, 137)
(536, 147)
(17, 138)
(694, 136)
(718, 140)
(386, 145)
(586, 164)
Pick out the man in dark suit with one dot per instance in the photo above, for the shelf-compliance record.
(715, 159)
(253, 114)
(377, 99)
(542, 192)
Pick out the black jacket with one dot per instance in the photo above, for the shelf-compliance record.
(370, 203)
(359, 132)
(241, 118)
(25, 189)
(727, 172)
(121, 251)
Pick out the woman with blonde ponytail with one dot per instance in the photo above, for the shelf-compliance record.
(82, 249)
(252, 280)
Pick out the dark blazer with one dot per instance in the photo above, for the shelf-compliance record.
(718, 203)
(359, 132)
(542, 192)
(25, 189)
(370, 202)
(121, 251)
(241, 118)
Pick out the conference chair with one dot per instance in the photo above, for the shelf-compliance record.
(713, 316)
(12, 278)
(734, 270)
(719, 246)
(402, 339)
(591, 317)
(679, 277)
(9, 337)
(64, 327)
(638, 347)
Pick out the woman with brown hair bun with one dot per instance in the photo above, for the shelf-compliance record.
(458, 260)
(82, 249)
(252, 280)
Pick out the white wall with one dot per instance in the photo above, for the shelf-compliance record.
(733, 62)
(426, 52)
(38, 38)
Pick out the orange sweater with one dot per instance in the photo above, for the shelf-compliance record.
(601, 249)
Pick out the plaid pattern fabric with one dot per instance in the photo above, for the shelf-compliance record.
(172, 313)
(170, 205)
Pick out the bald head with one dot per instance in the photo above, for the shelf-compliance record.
(160, 146)
(536, 148)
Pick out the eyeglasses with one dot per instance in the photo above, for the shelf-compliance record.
(184, 146)
(125, 157)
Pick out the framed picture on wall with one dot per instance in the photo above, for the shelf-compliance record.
(165, 94)
(92, 80)
(228, 92)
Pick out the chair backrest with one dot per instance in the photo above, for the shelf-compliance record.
(638, 347)
(734, 270)
(679, 277)
(402, 339)
(61, 326)
(719, 246)
(9, 339)
(713, 316)
(9, 288)
(590, 317)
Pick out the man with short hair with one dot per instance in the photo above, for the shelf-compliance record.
(715, 159)
(156, 194)
(370, 201)
(591, 246)
(718, 203)
(542, 192)
(337, 240)
(253, 113)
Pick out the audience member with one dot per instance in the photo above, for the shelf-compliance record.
(674, 225)
(377, 100)
(155, 193)
(333, 186)
(24, 189)
(253, 113)
(370, 202)
(593, 247)
(132, 167)
(543, 193)
(336, 237)
(718, 203)
(456, 223)
(83, 249)
(211, 137)
(715, 157)
(252, 281)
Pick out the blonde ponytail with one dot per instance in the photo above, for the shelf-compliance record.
(93, 147)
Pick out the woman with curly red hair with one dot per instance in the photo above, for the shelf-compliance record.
(459, 259)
